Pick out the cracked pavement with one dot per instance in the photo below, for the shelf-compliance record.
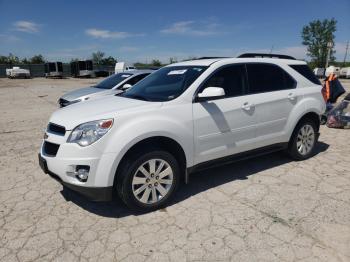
(263, 209)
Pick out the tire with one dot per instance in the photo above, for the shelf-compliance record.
(303, 141)
(144, 190)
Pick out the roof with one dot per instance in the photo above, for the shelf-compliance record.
(208, 62)
(137, 71)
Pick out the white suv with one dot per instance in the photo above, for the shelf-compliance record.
(180, 119)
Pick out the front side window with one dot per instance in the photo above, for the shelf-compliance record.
(165, 84)
(112, 81)
(268, 78)
(230, 78)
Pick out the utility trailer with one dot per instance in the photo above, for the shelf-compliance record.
(82, 68)
(16, 72)
(345, 72)
(319, 72)
(54, 69)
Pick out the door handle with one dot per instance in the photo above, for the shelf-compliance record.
(247, 106)
(291, 96)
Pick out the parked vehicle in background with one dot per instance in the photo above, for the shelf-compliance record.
(122, 67)
(332, 70)
(54, 69)
(82, 68)
(184, 117)
(319, 72)
(114, 84)
(17, 72)
(344, 72)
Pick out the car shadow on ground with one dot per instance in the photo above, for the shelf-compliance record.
(199, 182)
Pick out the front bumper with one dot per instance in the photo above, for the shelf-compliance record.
(92, 193)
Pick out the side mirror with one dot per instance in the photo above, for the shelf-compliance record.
(126, 86)
(211, 92)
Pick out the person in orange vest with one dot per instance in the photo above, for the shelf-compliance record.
(326, 90)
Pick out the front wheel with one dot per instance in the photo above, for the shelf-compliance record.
(149, 180)
(303, 140)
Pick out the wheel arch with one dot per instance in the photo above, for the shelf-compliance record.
(155, 142)
(311, 115)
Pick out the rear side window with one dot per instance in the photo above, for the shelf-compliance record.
(306, 72)
(268, 78)
(230, 78)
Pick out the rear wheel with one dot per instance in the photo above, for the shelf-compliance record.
(149, 180)
(303, 140)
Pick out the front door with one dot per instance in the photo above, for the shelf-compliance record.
(224, 126)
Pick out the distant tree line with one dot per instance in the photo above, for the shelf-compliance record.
(13, 59)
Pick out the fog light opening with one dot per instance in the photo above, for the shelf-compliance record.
(82, 173)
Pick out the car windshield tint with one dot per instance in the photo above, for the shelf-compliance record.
(165, 84)
(112, 81)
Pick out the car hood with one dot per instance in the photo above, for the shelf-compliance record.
(81, 92)
(96, 109)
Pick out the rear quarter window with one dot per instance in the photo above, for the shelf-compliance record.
(306, 72)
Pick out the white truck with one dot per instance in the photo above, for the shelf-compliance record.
(17, 72)
(121, 67)
(182, 118)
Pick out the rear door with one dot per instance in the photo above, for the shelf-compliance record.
(274, 94)
(224, 126)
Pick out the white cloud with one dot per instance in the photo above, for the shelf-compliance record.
(26, 26)
(105, 34)
(192, 28)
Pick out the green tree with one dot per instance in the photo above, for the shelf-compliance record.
(12, 59)
(156, 62)
(74, 60)
(25, 61)
(108, 61)
(97, 57)
(37, 59)
(315, 36)
(172, 60)
(3, 59)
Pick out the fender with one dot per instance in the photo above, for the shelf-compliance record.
(132, 132)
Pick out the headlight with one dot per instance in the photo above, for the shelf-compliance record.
(87, 133)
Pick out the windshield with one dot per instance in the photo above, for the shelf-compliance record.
(112, 81)
(165, 84)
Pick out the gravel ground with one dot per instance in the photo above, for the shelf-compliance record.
(265, 209)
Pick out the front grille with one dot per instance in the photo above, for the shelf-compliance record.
(62, 102)
(50, 149)
(57, 129)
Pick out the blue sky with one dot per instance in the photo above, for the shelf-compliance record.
(143, 30)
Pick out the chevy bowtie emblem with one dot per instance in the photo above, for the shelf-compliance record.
(46, 136)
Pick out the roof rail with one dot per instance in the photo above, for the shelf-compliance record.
(211, 57)
(247, 55)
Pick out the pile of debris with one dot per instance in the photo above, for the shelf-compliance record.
(336, 116)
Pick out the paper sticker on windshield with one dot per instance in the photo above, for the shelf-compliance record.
(177, 72)
(125, 76)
